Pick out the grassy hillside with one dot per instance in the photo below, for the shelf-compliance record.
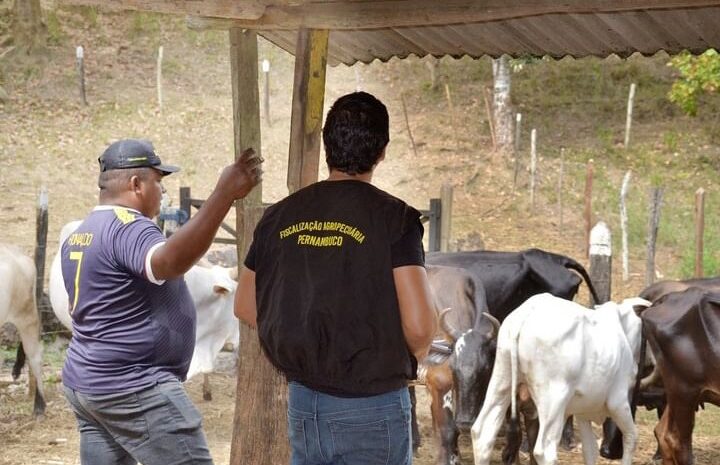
(47, 136)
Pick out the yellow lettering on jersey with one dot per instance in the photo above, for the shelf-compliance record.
(80, 239)
(332, 226)
(124, 215)
(320, 241)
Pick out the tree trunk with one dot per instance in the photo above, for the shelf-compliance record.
(502, 109)
(28, 28)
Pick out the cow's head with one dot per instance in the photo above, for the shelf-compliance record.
(471, 364)
(628, 312)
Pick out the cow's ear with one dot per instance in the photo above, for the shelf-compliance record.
(219, 289)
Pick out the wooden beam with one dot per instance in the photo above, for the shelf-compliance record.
(307, 108)
(261, 394)
(353, 15)
(245, 9)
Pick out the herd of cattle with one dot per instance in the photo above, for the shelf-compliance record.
(512, 341)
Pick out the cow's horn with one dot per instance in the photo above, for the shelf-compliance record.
(447, 327)
(650, 379)
(495, 323)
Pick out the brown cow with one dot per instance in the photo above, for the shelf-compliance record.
(651, 394)
(683, 329)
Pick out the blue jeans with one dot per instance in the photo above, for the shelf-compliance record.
(155, 426)
(329, 430)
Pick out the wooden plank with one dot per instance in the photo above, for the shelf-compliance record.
(248, 9)
(346, 15)
(261, 392)
(307, 108)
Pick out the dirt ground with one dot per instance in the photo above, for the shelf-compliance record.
(48, 139)
(54, 440)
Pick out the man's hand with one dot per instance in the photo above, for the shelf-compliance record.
(238, 179)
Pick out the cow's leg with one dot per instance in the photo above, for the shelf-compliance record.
(568, 435)
(449, 434)
(589, 444)
(207, 390)
(674, 431)
(416, 440)
(441, 412)
(621, 414)
(29, 330)
(532, 425)
(490, 419)
(551, 404)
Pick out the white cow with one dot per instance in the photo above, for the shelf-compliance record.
(574, 361)
(18, 306)
(213, 292)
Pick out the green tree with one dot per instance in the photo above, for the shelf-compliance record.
(698, 74)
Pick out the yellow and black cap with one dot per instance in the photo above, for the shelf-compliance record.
(133, 153)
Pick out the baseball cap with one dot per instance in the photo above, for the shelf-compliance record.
(133, 153)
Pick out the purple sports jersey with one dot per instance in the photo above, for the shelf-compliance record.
(130, 330)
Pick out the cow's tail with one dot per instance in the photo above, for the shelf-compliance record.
(573, 265)
(514, 372)
(19, 362)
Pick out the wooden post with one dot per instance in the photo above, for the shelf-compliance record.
(158, 78)
(533, 166)
(446, 201)
(41, 230)
(516, 146)
(451, 108)
(628, 120)
(185, 199)
(588, 203)
(600, 247)
(624, 225)
(260, 403)
(653, 223)
(434, 224)
(699, 231)
(491, 121)
(266, 100)
(561, 174)
(407, 124)
(80, 61)
(307, 107)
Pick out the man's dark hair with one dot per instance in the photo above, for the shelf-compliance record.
(356, 132)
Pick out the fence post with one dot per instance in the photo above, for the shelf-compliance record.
(80, 59)
(516, 146)
(653, 223)
(158, 78)
(588, 203)
(407, 124)
(628, 120)
(624, 225)
(601, 262)
(699, 231)
(185, 201)
(446, 200)
(266, 98)
(434, 217)
(561, 174)
(533, 166)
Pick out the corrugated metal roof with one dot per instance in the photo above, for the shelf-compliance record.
(555, 35)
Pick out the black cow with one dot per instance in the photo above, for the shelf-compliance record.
(508, 278)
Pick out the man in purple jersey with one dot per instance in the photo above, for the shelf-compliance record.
(133, 318)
